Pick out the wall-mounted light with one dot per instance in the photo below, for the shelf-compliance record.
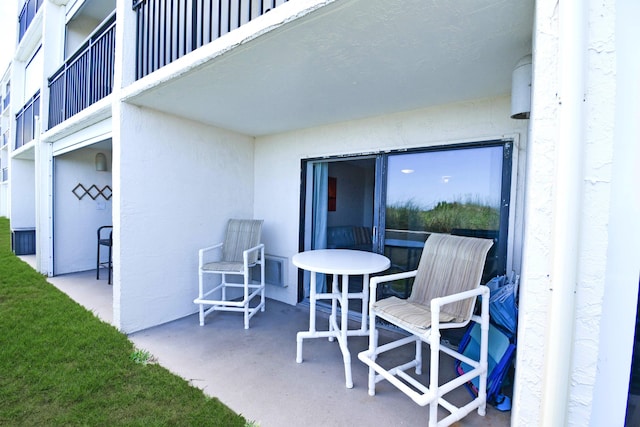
(101, 162)
(521, 89)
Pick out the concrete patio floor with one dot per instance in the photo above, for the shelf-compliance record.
(254, 371)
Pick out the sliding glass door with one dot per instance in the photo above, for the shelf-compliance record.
(459, 191)
(391, 202)
(340, 208)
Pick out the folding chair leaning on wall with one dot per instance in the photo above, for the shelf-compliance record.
(446, 285)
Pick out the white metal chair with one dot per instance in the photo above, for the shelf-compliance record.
(240, 251)
(444, 292)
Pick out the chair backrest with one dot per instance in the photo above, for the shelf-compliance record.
(241, 235)
(103, 238)
(449, 265)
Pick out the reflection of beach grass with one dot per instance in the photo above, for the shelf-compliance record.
(444, 216)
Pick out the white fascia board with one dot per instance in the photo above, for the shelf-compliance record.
(90, 135)
(94, 113)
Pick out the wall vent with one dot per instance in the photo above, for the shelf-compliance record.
(275, 271)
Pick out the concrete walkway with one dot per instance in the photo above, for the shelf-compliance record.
(254, 371)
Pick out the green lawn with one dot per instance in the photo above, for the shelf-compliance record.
(60, 365)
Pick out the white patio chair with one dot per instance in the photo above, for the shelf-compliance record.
(444, 292)
(240, 251)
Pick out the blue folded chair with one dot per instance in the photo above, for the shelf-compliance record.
(501, 352)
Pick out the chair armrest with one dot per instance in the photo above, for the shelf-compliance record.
(259, 248)
(204, 251)
(373, 282)
(439, 302)
(436, 303)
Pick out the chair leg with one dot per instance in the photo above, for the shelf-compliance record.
(110, 265)
(373, 348)
(418, 357)
(433, 375)
(246, 298)
(98, 261)
(262, 297)
(223, 295)
(200, 295)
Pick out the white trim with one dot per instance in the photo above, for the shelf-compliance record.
(515, 138)
(95, 113)
(60, 149)
(566, 234)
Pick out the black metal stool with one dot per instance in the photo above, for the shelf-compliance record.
(102, 241)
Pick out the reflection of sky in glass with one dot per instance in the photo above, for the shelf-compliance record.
(454, 176)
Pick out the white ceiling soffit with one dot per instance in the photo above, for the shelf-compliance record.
(96, 10)
(354, 59)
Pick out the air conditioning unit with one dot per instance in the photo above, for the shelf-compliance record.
(275, 271)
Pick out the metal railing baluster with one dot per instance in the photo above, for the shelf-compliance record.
(26, 15)
(169, 29)
(25, 121)
(84, 78)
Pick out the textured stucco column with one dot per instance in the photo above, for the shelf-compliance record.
(586, 382)
(540, 175)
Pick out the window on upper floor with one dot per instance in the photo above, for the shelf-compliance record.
(7, 96)
(33, 75)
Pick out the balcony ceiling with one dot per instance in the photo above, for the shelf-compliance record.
(96, 10)
(349, 60)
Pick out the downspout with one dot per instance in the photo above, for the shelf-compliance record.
(572, 64)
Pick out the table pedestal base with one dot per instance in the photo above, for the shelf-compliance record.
(336, 332)
(338, 262)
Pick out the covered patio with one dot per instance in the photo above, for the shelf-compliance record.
(255, 373)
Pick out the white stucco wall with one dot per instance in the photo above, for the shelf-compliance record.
(602, 313)
(598, 162)
(4, 199)
(615, 344)
(177, 184)
(76, 220)
(278, 161)
(23, 198)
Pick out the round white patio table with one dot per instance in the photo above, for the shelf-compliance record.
(345, 263)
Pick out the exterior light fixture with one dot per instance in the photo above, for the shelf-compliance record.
(521, 89)
(101, 162)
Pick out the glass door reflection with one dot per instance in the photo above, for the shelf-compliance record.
(448, 191)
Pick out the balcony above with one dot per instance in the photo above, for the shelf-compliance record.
(26, 129)
(313, 62)
(167, 31)
(6, 100)
(86, 77)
